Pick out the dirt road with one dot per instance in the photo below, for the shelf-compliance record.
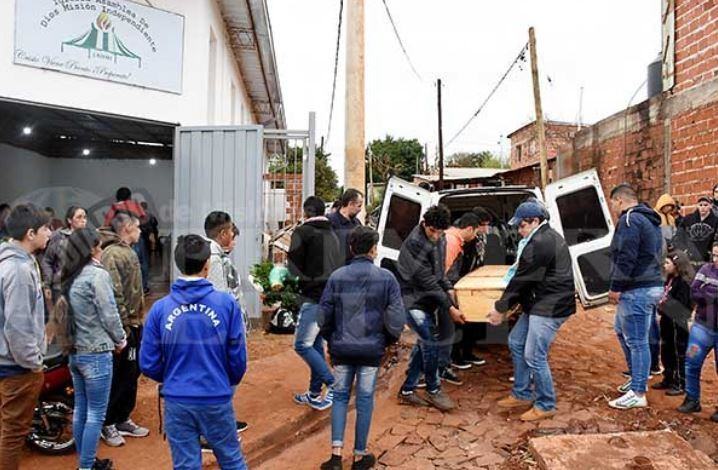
(586, 362)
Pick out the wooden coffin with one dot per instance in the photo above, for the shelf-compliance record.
(478, 290)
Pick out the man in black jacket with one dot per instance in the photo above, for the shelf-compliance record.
(427, 295)
(544, 287)
(314, 254)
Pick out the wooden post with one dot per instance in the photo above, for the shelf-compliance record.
(354, 167)
(540, 129)
(441, 136)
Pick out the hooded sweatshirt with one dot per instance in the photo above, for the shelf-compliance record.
(668, 222)
(22, 311)
(696, 236)
(636, 250)
(194, 343)
(314, 254)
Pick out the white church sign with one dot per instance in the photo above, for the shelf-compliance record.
(115, 40)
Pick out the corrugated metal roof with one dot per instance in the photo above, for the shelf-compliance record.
(250, 34)
(463, 173)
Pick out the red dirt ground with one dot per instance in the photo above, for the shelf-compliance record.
(586, 363)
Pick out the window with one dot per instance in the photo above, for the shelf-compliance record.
(595, 268)
(518, 152)
(582, 216)
(402, 218)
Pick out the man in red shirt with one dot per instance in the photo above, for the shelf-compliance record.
(124, 203)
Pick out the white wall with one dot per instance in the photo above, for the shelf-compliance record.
(61, 182)
(188, 108)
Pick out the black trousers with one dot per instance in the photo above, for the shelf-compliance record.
(674, 342)
(466, 337)
(125, 374)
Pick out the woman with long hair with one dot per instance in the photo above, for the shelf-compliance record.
(674, 309)
(89, 330)
(51, 261)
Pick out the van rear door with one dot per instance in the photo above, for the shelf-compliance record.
(579, 211)
(404, 203)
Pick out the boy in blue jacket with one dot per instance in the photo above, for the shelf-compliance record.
(194, 344)
(361, 313)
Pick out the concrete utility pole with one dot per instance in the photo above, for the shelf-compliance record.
(441, 136)
(354, 172)
(540, 128)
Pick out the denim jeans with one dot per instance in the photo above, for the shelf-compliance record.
(92, 380)
(425, 355)
(700, 343)
(529, 342)
(185, 423)
(446, 333)
(344, 376)
(654, 341)
(310, 347)
(636, 311)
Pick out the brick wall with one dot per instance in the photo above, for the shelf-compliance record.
(293, 185)
(696, 57)
(524, 144)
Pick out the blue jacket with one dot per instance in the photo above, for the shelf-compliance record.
(194, 343)
(636, 250)
(361, 312)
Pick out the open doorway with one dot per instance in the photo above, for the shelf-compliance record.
(58, 157)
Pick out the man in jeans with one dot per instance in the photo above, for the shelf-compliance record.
(430, 300)
(636, 287)
(314, 254)
(220, 233)
(361, 313)
(22, 316)
(122, 263)
(544, 287)
(194, 345)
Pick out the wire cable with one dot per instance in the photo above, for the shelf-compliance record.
(401, 43)
(520, 57)
(336, 67)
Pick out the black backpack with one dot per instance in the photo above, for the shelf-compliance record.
(283, 322)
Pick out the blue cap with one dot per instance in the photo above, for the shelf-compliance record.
(527, 210)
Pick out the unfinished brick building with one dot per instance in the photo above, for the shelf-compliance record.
(668, 143)
(524, 143)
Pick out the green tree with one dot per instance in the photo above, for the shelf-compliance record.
(325, 178)
(483, 159)
(394, 157)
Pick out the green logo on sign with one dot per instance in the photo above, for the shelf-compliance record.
(102, 38)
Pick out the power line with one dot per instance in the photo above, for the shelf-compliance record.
(520, 57)
(336, 67)
(401, 43)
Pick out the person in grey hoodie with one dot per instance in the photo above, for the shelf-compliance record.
(22, 328)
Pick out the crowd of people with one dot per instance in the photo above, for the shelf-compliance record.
(83, 289)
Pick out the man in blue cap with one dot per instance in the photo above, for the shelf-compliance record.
(543, 285)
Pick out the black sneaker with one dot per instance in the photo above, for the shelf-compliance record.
(656, 371)
(675, 392)
(102, 464)
(365, 463)
(461, 365)
(241, 426)
(421, 383)
(714, 417)
(450, 376)
(626, 373)
(662, 385)
(690, 406)
(334, 463)
(475, 360)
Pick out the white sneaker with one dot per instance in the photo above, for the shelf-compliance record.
(628, 401)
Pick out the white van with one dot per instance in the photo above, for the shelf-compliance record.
(577, 207)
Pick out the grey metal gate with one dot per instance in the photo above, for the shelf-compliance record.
(220, 168)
